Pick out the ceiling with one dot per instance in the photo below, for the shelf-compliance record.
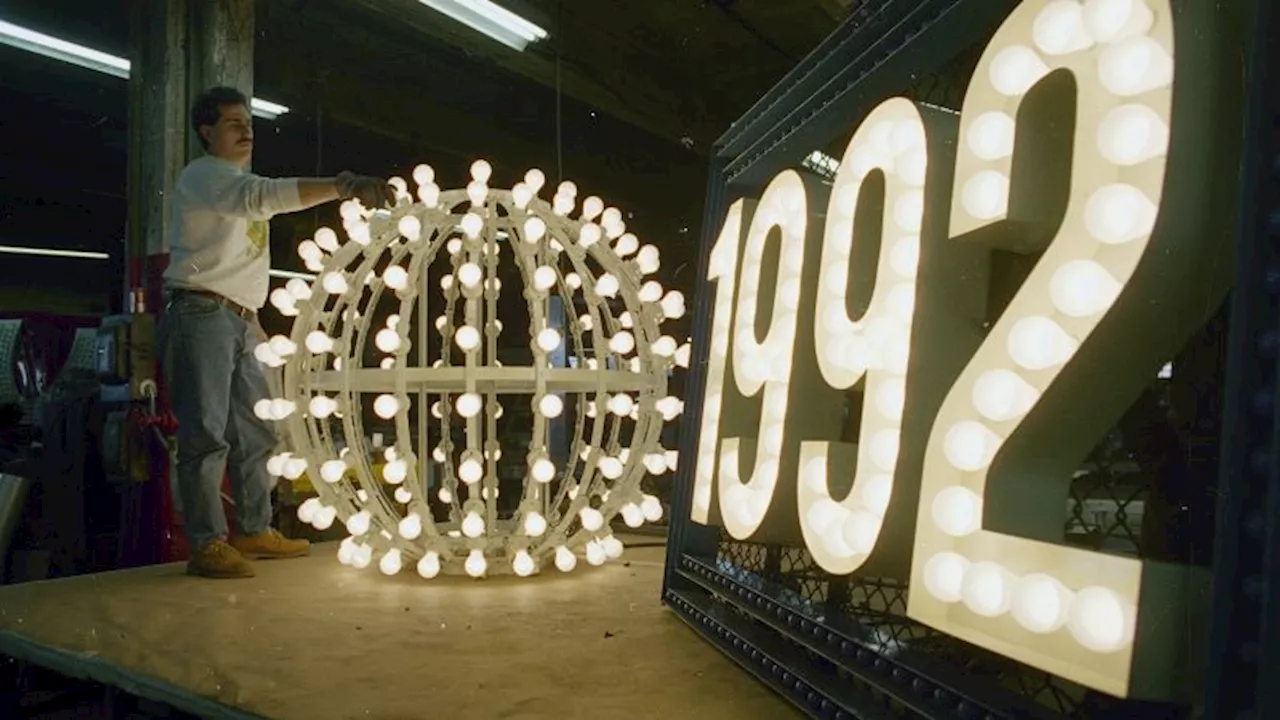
(625, 97)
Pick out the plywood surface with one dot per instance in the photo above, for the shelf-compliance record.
(312, 639)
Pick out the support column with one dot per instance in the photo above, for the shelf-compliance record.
(220, 43)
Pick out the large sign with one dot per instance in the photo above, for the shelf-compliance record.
(973, 415)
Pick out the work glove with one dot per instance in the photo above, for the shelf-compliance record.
(373, 193)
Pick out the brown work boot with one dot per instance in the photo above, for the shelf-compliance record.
(270, 545)
(219, 560)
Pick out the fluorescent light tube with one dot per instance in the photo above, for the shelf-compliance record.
(47, 252)
(291, 275)
(52, 47)
(490, 19)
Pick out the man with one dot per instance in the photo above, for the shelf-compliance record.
(217, 280)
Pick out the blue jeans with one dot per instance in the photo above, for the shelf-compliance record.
(214, 381)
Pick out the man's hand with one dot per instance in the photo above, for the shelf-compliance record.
(373, 193)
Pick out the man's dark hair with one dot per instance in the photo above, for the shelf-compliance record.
(207, 109)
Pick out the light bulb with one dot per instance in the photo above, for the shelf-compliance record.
(648, 260)
(423, 174)
(566, 561)
(589, 235)
(591, 519)
(1081, 288)
(308, 250)
(476, 564)
(318, 342)
(561, 205)
(651, 506)
(596, 554)
(1015, 69)
(472, 224)
(535, 179)
(626, 244)
(622, 343)
(387, 340)
(986, 195)
(473, 525)
(275, 465)
(1003, 395)
(1041, 603)
(969, 445)
(534, 524)
(684, 354)
(325, 517)
(396, 277)
(1135, 66)
(410, 227)
(333, 283)
(429, 565)
(673, 307)
(481, 171)
(534, 229)
(632, 515)
(610, 467)
(987, 589)
(544, 278)
(429, 194)
(664, 346)
(395, 471)
(1059, 29)
(322, 407)
(944, 576)
(550, 406)
(991, 135)
(650, 292)
(386, 406)
(410, 527)
(298, 288)
(1038, 343)
(1118, 213)
(469, 405)
(390, 563)
(281, 408)
(1100, 620)
(282, 299)
(477, 192)
(607, 285)
(543, 470)
(467, 338)
(523, 564)
(1131, 134)
(358, 524)
(957, 511)
(613, 547)
(621, 405)
(307, 510)
(265, 356)
(1111, 20)
(470, 471)
(548, 339)
(592, 207)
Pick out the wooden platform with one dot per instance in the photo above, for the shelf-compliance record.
(312, 639)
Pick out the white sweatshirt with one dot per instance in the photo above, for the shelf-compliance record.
(219, 237)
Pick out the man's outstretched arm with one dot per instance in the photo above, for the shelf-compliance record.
(259, 198)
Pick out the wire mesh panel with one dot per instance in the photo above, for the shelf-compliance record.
(897, 601)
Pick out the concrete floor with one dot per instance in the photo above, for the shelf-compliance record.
(312, 639)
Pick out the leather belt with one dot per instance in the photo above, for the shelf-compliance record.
(239, 310)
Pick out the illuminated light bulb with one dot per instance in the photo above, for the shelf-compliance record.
(859, 532)
(429, 194)
(548, 339)
(387, 340)
(396, 277)
(986, 195)
(944, 576)
(913, 167)
(441, 321)
(891, 397)
(957, 511)
(1082, 288)
(991, 135)
(282, 299)
(395, 471)
(626, 321)
(622, 343)
(265, 356)
(318, 342)
(386, 406)
(446, 282)
(626, 244)
(587, 323)
(346, 552)
(621, 405)
(589, 235)
(673, 307)
(908, 210)
(471, 224)
(613, 547)
(349, 210)
(649, 292)
(534, 229)
(363, 556)
(610, 467)
(655, 463)
(391, 563)
(550, 406)
(1015, 70)
(607, 285)
(1131, 134)
(664, 346)
(294, 467)
(684, 354)
(333, 283)
(1059, 29)
(573, 280)
(410, 527)
(481, 171)
(543, 470)
(470, 471)
(1038, 343)
(902, 301)
(358, 524)
(324, 518)
(1111, 20)
(632, 515)
(401, 187)
(970, 445)
(591, 519)
(566, 561)
(1100, 620)
(467, 338)
(322, 407)
(521, 195)
(307, 510)
(444, 495)
(298, 288)
(534, 524)
(423, 174)
(308, 250)
(523, 565)
(884, 449)
(469, 405)
(987, 589)
(477, 192)
(1041, 603)
(648, 260)
(592, 207)
(596, 554)
(1118, 213)
(410, 227)
(611, 216)
(333, 470)
(651, 507)
(275, 465)
(1001, 395)
(281, 408)
(544, 278)
(476, 565)
(535, 179)
(454, 246)
(429, 565)
(1134, 66)
(402, 495)
(473, 525)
